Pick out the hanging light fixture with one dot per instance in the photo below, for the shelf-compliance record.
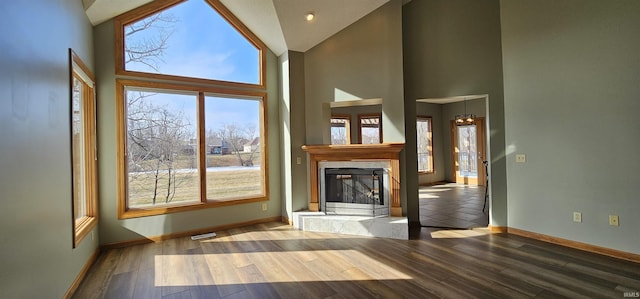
(466, 118)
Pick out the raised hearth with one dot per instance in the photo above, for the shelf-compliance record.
(380, 227)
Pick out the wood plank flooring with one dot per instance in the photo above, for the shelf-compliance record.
(274, 260)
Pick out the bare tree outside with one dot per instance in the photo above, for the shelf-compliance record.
(158, 147)
(340, 131)
(236, 137)
(146, 40)
(157, 135)
(162, 140)
(370, 129)
(424, 135)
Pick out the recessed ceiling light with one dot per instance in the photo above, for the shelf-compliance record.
(310, 16)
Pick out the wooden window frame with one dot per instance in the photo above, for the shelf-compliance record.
(429, 119)
(124, 211)
(370, 115)
(347, 128)
(88, 222)
(157, 6)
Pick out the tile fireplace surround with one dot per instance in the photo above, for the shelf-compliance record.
(394, 226)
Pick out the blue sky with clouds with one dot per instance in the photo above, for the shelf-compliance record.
(202, 44)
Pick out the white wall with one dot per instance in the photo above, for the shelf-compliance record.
(36, 255)
(571, 74)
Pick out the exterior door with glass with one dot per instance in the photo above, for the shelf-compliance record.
(468, 153)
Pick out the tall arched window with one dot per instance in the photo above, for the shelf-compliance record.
(186, 140)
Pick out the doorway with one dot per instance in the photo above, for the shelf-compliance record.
(468, 153)
(453, 197)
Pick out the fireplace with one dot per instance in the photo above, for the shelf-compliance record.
(354, 190)
(385, 194)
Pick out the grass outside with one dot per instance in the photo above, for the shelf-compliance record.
(190, 161)
(221, 185)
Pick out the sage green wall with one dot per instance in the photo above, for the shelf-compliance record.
(36, 255)
(571, 72)
(438, 130)
(113, 230)
(453, 48)
(294, 178)
(363, 61)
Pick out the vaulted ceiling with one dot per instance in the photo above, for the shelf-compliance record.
(280, 24)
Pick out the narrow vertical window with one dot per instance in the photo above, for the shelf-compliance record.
(424, 144)
(340, 129)
(83, 149)
(370, 128)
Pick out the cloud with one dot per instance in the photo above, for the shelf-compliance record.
(201, 64)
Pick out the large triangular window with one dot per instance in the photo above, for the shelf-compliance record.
(188, 40)
(185, 140)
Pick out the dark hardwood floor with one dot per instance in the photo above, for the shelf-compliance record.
(276, 261)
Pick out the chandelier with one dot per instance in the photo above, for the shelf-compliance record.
(466, 118)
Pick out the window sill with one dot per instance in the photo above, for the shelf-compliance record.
(83, 228)
(168, 209)
(426, 172)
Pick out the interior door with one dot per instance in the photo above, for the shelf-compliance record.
(468, 153)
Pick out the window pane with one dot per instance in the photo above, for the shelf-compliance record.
(467, 155)
(233, 143)
(370, 130)
(191, 39)
(424, 144)
(339, 131)
(83, 149)
(78, 131)
(162, 148)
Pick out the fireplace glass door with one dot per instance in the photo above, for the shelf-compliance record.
(355, 191)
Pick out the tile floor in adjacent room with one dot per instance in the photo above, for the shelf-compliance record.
(453, 205)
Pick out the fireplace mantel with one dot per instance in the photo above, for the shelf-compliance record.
(356, 152)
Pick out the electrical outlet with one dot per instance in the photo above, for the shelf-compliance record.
(264, 206)
(577, 217)
(613, 220)
(521, 158)
(298, 160)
